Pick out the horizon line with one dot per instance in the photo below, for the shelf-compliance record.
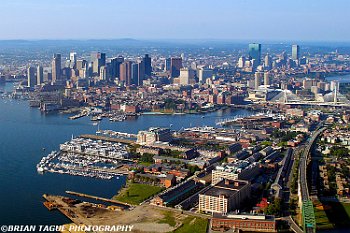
(281, 41)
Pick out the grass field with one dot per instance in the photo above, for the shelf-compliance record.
(135, 193)
(193, 224)
(331, 215)
(169, 219)
(322, 221)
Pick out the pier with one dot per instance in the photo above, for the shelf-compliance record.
(125, 205)
(108, 139)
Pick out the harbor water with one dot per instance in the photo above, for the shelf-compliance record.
(26, 135)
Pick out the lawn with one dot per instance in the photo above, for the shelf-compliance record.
(168, 219)
(322, 221)
(333, 214)
(193, 224)
(135, 193)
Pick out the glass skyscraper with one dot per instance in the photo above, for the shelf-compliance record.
(295, 52)
(255, 52)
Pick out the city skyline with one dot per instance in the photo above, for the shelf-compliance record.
(238, 20)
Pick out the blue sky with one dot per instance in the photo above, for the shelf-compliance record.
(287, 20)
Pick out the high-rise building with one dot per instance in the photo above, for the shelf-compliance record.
(186, 76)
(295, 52)
(268, 62)
(56, 69)
(204, 74)
(255, 53)
(167, 64)
(267, 80)
(72, 60)
(39, 75)
(137, 73)
(98, 59)
(115, 66)
(125, 72)
(31, 76)
(103, 73)
(141, 73)
(175, 66)
(241, 62)
(148, 65)
(257, 80)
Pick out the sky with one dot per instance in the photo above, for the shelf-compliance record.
(269, 20)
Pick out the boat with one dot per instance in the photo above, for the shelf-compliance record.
(96, 118)
(40, 169)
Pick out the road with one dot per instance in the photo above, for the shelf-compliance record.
(303, 165)
(308, 214)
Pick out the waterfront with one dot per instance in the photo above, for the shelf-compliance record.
(25, 131)
(341, 78)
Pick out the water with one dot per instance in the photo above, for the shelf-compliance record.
(25, 131)
(341, 78)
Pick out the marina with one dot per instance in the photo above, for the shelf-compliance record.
(86, 157)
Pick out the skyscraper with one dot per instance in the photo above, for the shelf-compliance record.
(241, 62)
(257, 80)
(98, 59)
(255, 52)
(56, 69)
(137, 73)
(268, 62)
(148, 66)
(167, 65)
(72, 60)
(31, 76)
(103, 73)
(39, 75)
(125, 72)
(295, 52)
(115, 66)
(175, 66)
(267, 80)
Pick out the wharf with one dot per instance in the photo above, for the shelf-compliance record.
(125, 205)
(108, 139)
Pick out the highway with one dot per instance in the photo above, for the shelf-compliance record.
(303, 165)
(307, 209)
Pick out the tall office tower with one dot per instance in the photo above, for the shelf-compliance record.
(103, 73)
(31, 76)
(267, 80)
(72, 60)
(186, 76)
(257, 80)
(125, 72)
(204, 74)
(167, 64)
(137, 73)
(295, 52)
(56, 69)
(115, 66)
(141, 73)
(175, 66)
(148, 66)
(39, 75)
(241, 62)
(268, 62)
(98, 59)
(255, 52)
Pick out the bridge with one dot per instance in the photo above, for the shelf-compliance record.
(308, 215)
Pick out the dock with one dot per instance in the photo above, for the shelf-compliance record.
(108, 139)
(126, 205)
